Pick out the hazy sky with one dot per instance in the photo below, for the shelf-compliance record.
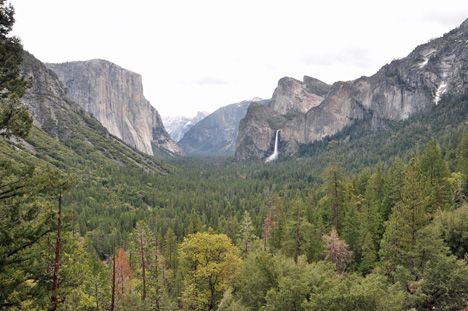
(199, 55)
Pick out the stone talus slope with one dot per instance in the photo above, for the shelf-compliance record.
(114, 96)
(395, 92)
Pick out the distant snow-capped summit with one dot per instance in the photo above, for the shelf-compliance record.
(179, 125)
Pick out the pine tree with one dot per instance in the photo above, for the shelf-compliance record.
(434, 168)
(246, 234)
(142, 247)
(463, 164)
(392, 189)
(335, 189)
(195, 224)
(14, 118)
(409, 215)
(170, 249)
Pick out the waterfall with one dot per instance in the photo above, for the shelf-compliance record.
(274, 156)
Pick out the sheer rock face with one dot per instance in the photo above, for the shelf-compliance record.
(216, 134)
(114, 96)
(395, 92)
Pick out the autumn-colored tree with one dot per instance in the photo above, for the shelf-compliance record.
(211, 261)
(123, 272)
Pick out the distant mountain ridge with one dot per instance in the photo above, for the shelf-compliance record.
(216, 134)
(114, 96)
(179, 125)
(397, 91)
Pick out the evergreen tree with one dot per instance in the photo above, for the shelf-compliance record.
(335, 189)
(409, 215)
(434, 168)
(392, 189)
(246, 234)
(14, 118)
(463, 163)
(195, 224)
(142, 248)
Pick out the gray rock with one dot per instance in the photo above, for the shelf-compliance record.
(216, 134)
(395, 92)
(293, 96)
(114, 96)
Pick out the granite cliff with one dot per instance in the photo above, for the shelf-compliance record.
(114, 96)
(395, 92)
(72, 128)
(216, 134)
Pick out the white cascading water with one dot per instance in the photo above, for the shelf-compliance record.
(274, 156)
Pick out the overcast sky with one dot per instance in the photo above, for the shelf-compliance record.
(199, 55)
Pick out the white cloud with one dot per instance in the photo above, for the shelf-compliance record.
(228, 51)
(210, 81)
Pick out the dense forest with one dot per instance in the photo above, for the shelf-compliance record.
(363, 220)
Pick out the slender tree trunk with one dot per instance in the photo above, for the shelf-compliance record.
(336, 200)
(57, 256)
(143, 294)
(97, 298)
(113, 282)
(296, 250)
(246, 245)
(156, 266)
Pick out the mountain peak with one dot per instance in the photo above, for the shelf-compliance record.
(306, 94)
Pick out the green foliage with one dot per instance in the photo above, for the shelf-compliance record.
(14, 118)
(211, 262)
(273, 282)
(409, 215)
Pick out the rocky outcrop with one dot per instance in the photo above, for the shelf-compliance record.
(395, 92)
(290, 101)
(46, 98)
(114, 96)
(293, 96)
(179, 125)
(216, 134)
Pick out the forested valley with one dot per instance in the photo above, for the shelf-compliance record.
(363, 220)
